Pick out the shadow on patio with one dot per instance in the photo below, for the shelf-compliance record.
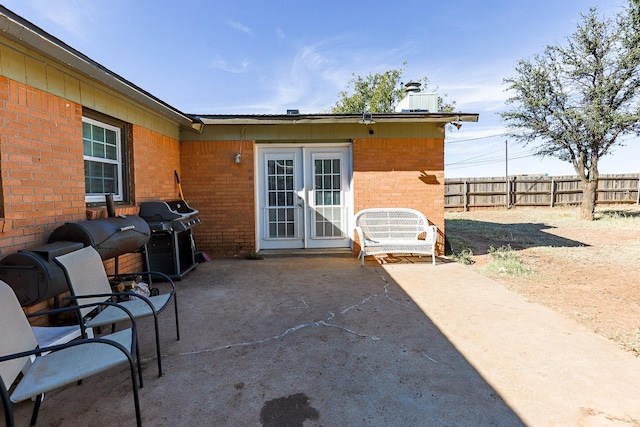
(287, 341)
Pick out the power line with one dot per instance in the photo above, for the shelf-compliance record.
(476, 139)
(480, 161)
(519, 154)
(495, 159)
(491, 160)
(623, 138)
(472, 158)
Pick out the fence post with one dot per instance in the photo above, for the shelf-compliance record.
(553, 191)
(507, 194)
(465, 192)
(506, 173)
(512, 191)
(638, 197)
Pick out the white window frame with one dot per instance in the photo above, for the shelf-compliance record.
(118, 195)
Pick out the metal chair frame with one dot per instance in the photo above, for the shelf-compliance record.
(58, 365)
(88, 281)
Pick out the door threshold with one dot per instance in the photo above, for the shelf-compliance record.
(320, 252)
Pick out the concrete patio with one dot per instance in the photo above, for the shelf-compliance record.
(320, 341)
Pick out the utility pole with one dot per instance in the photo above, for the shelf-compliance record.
(506, 171)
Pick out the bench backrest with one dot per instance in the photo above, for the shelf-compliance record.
(391, 223)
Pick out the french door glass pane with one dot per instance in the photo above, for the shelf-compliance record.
(328, 216)
(280, 179)
(328, 222)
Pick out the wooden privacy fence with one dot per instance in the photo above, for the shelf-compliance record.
(470, 193)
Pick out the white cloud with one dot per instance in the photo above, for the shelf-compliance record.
(318, 71)
(73, 16)
(491, 97)
(239, 26)
(474, 86)
(222, 64)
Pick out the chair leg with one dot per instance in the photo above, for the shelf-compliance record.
(134, 385)
(175, 304)
(36, 408)
(155, 321)
(139, 364)
(6, 405)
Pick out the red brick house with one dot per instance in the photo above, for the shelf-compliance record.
(72, 130)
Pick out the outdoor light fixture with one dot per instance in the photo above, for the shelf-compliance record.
(367, 119)
(457, 125)
(237, 158)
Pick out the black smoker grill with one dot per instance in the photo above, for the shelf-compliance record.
(35, 277)
(109, 236)
(170, 249)
(33, 274)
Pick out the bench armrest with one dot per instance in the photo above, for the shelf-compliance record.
(360, 235)
(432, 234)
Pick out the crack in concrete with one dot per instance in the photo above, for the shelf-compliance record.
(427, 356)
(324, 323)
(386, 289)
(301, 298)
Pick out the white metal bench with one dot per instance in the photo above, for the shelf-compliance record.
(394, 231)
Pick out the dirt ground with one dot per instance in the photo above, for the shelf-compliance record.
(587, 271)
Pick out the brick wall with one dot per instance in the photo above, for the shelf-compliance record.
(42, 167)
(42, 164)
(42, 170)
(407, 173)
(387, 173)
(155, 157)
(43, 179)
(223, 192)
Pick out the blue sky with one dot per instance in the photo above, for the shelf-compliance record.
(264, 57)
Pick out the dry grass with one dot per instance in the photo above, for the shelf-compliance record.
(588, 271)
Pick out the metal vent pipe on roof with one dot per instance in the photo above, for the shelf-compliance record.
(412, 87)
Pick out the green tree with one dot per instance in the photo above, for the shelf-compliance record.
(379, 93)
(575, 101)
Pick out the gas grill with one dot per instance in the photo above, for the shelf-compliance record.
(170, 249)
(174, 215)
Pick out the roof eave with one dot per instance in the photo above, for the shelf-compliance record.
(284, 119)
(22, 31)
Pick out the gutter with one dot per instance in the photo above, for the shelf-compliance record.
(283, 119)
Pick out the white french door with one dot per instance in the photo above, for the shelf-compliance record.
(304, 196)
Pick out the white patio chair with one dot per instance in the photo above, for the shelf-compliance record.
(58, 365)
(89, 283)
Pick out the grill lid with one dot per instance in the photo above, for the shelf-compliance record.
(158, 211)
(109, 236)
(33, 275)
